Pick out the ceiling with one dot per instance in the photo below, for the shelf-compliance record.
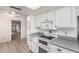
(27, 11)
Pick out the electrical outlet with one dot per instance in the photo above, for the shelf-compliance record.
(65, 33)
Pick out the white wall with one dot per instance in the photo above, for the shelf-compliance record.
(5, 29)
(5, 26)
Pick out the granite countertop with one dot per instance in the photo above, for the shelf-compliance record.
(66, 42)
(36, 34)
(69, 43)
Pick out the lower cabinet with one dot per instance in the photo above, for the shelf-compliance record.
(56, 49)
(33, 44)
(29, 43)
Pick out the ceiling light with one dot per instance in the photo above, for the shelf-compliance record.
(33, 7)
(12, 12)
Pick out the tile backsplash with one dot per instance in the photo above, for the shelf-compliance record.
(69, 33)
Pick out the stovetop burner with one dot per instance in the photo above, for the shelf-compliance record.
(47, 37)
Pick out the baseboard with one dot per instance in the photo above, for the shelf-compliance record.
(3, 41)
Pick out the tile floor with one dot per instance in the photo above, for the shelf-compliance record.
(14, 46)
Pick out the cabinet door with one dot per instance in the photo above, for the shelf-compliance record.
(48, 26)
(33, 44)
(32, 24)
(60, 16)
(30, 44)
(45, 26)
(63, 17)
(36, 45)
(44, 17)
(52, 49)
(56, 49)
(67, 51)
(32, 47)
(52, 15)
(37, 20)
(68, 16)
(74, 17)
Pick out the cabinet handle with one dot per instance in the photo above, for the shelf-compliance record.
(55, 26)
(51, 23)
(59, 49)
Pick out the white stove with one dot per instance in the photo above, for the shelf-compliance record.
(44, 40)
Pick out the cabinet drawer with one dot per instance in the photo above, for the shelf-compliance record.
(56, 49)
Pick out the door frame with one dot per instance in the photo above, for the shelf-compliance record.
(19, 27)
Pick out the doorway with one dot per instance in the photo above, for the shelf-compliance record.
(16, 29)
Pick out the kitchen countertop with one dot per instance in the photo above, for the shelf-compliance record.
(35, 34)
(41, 35)
(66, 42)
(69, 43)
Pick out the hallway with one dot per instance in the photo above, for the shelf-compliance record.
(15, 46)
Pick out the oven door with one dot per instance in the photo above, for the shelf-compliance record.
(41, 50)
(43, 46)
(43, 42)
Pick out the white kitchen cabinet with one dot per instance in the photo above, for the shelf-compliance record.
(32, 24)
(37, 20)
(49, 16)
(65, 17)
(33, 44)
(52, 49)
(48, 26)
(28, 30)
(31, 41)
(48, 20)
(52, 15)
(44, 17)
(74, 17)
(56, 49)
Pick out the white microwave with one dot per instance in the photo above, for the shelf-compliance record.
(48, 25)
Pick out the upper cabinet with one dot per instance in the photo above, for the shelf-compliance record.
(32, 24)
(49, 15)
(65, 17)
(37, 20)
(52, 16)
(48, 20)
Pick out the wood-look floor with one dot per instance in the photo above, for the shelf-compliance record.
(14, 46)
